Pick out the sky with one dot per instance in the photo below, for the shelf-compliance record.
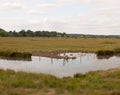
(101, 17)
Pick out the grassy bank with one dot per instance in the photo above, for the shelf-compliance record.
(92, 83)
(15, 55)
(53, 44)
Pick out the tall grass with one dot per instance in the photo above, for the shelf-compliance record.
(92, 83)
(108, 53)
(105, 53)
(18, 55)
(54, 44)
(117, 50)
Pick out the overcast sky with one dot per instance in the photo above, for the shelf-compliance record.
(70, 16)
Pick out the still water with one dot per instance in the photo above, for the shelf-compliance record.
(83, 63)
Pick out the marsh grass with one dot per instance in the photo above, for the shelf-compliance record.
(108, 53)
(14, 55)
(105, 53)
(55, 44)
(92, 83)
(117, 50)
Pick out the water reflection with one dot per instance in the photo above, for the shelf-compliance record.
(82, 63)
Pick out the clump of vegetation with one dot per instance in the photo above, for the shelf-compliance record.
(78, 75)
(18, 55)
(117, 50)
(105, 53)
(108, 53)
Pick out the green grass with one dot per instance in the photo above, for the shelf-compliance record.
(52, 44)
(92, 83)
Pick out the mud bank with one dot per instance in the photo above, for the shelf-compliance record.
(55, 54)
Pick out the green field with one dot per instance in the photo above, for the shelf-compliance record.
(92, 83)
(53, 44)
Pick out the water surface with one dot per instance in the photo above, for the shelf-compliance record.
(83, 63)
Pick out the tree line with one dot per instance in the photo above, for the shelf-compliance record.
(30, 33)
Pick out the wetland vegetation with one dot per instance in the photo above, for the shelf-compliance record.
(92, 83)
(108, 53)
(23, 47)
(15, 55)
(31, 45)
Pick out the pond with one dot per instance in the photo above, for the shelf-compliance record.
(81, 63)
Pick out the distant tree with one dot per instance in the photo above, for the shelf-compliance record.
(3, 33)
(23, 33)
(15, 34)
(30, 33)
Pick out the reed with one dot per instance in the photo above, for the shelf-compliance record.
(9, 54)
(105, 53)
(108, 53)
